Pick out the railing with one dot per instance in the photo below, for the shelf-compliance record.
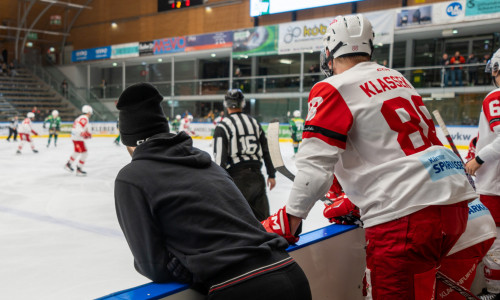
(52, 76)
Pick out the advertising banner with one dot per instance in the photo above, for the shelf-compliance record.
(482, 7)
(306, 36)
(169, 45)
(216, 40)
(125, 50)
(414, 16)
(91, 54)
(255, 41)
(146, 48)
(302, 36)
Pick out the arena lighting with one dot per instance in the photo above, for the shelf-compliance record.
(29, 44)
(66, 4)
(114, 25)
(52, 49)
(286, 61)
(455, 31)
(213, 55)
(208, 9)
(160, 59)
(115, 64)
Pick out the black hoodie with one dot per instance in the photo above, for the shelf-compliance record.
(173, 198)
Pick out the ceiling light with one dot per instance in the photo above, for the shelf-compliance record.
(208, 9)
(115, 64)
(455, 31)
(114, 25)
(213, 55)
(160, 60)
(286, 61)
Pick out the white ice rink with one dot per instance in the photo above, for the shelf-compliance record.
(59, 236)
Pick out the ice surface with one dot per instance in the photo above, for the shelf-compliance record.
(59, 236)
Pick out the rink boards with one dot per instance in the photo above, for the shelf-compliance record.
(332, 257)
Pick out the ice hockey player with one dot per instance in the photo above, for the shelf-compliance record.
(486, 167)
(370, 127)
(205, 236)
(54, 126)
(296, 125)
(79, 133)
(240, 145)
(176, 123)
(185, 125)
(25, 131)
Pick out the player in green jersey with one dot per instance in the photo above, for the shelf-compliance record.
(54, 126)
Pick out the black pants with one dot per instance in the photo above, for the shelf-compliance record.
(12, 132)
(252, 185)
(289, 283)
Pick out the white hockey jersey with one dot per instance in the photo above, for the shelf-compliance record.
(80, 126)
(480, 227)
(371, 127)
(26, 127)
(488, 146)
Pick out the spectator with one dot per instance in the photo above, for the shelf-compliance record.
(12, 69)
(456, 71)
(472, 59)
(5, 69)
(103, 88)
(64, 88)
(313, 69)
(204, 236)
(445, 70)
(37, 112)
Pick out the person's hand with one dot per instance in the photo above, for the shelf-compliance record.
(177, 270)
(471, 167)
(279, 224)
(342, 211)
(271, 183)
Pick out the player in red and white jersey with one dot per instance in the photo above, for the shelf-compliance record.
(186, 125)
(486, 167)
(25, 131)
(370, 126)
(80, 133)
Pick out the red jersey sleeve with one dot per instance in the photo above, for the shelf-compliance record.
(491, 109)
(329, 117)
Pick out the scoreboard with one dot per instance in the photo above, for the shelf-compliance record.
(166, 5)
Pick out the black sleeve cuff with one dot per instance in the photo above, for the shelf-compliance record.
(479, 161)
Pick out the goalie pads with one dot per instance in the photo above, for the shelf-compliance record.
(279, 224)
(342, 211)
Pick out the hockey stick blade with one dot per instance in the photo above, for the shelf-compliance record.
(447, 134)
(275, 152)
(273, 142)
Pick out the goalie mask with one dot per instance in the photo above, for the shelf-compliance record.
(234, 99)
(346, 35)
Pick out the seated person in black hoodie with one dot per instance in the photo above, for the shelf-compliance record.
(184, 218)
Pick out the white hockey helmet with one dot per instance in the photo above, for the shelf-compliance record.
(493, 64)
(234, 99)
(346, 35)
(87, 109)
(178, 117)
(30, 115)
(296, 113)
(55, 113)
(190, 117)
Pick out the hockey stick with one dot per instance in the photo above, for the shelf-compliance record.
(279, 165)
(446, 133)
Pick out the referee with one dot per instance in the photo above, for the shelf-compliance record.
(240, 144)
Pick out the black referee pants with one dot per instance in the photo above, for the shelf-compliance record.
(252, 185)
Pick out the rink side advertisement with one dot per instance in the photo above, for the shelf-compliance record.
(461, 135)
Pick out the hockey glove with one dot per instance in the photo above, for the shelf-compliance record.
(279, 224)
(342, 211)
(472, 150)
(177, 270)
(86, 135)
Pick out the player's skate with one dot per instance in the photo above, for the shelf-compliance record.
(35, 151)
(80, 172)
(68, 167)
(18, 152)
(485, 295)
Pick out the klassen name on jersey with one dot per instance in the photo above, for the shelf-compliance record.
(372, 88)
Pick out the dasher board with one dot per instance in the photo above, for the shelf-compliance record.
(332, 257)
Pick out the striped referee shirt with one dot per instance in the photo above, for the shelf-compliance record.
(240, 141)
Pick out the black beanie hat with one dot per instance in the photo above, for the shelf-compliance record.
(141, 115)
